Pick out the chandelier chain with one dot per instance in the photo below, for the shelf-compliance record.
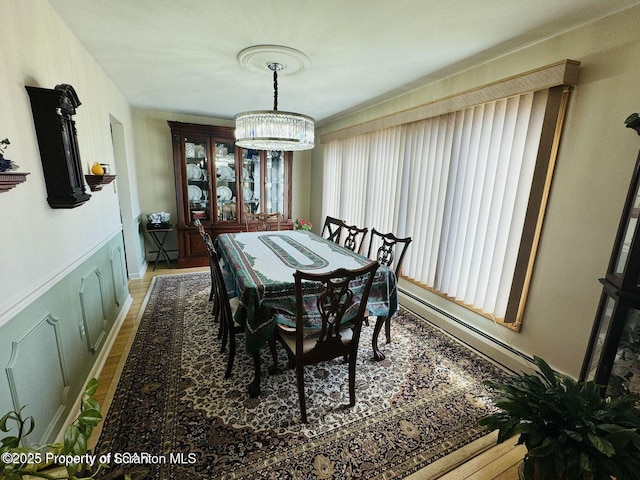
(275, 90)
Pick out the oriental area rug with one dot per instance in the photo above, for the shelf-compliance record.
(175, 416)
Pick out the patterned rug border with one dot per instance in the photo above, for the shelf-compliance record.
(113, 386)
(435, 469)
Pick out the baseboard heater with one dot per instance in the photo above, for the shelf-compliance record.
(471, 328)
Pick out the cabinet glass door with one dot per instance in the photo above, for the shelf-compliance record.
(629, 232)
(263, 169)
(226, 176)
(198, 188)
(251, 181)
(607, 305)
(625, 374)
(274, 183)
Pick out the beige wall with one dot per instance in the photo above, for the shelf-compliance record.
(41, 244)
(594, 167)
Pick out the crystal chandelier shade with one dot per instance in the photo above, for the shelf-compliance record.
(273, 129)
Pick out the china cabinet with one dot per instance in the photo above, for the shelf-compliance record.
(613, 358)
(217, 182)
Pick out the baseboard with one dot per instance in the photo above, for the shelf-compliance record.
(140, 274)
(488, 346)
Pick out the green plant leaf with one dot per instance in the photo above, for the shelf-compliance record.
(10, 442)
(90, 417)
(601, 444)
(92, 387)
(544, 450)
(72, 469)
(90, 404)
(70, 438)
(546, 370)
(584, 462)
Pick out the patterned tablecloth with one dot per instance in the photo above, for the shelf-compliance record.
(262, 265)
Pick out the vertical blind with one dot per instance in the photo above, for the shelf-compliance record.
(458, 184)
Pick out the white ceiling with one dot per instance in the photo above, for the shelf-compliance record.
(180, 55)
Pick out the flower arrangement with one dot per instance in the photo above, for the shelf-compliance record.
(5, 163)
(302, 224)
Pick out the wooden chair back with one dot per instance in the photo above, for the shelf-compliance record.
(390, 249)
(332, 229)
(262, 219)
(354, 239)
(341, 313)
(200, 227)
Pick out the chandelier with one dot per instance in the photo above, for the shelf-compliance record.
(273, 129)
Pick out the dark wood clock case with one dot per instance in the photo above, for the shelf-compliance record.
(53, 110)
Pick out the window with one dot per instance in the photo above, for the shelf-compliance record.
(469, 186)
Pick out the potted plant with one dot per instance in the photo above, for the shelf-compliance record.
(18, 462)
(569, 429)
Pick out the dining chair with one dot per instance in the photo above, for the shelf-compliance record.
(340, 313)
(199, 227)
(332, 229)
(225, 308)
(213, 295)
(351, 239)
(390, 251)
(263, 220)
(202, 232)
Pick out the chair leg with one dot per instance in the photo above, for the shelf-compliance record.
(232, 352)
(387, 329)
(352, 380)
(303, 404)
(224, 331)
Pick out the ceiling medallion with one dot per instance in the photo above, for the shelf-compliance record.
(274, 129)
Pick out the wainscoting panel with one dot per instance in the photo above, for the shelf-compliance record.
(94, 316)
(53, 343)
(118, 275)
(37, 359)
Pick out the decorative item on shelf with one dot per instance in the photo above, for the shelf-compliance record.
(97, 169)
(569, 430)
(159, 220)
(302, 225)
(8, 179)
(5, 163)
(273, 129)
(199, 214)
(96, 182)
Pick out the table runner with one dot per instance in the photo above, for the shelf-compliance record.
(263, 263)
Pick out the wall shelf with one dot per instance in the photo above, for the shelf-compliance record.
(8, 180)
(96, 182)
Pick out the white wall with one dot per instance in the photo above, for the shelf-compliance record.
(594, 167)
(40, 244)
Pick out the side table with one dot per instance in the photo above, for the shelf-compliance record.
(159, 235)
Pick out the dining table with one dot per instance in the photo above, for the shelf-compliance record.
(261, 267)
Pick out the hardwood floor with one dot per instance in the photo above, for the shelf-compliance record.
(498, 463)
